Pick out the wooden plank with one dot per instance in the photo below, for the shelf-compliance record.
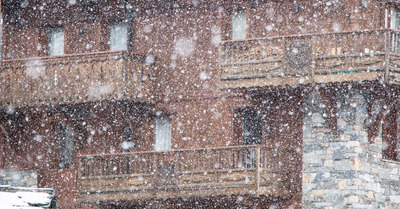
(196, 179)
(77, 77)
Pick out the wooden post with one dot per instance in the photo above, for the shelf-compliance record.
(154, 176)
(258, 170)
(387, 58)
(79, 176)
(313, 58)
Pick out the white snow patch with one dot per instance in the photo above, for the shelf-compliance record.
(149, 60)
(127, 145)
(216, 39)
(195, 2)
(240, 198)
(148, 28)
(184, 46)
(216, 35)
(97, 90)
(186, 138)
(203, 76)
(35, 198)
(24, 4)
(337, 27)
(71, 2)
(35, 69)
(269, 27)
(10, 109)
(38, 138)
(10, 200)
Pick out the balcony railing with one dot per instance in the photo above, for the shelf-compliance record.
(317, 58)
(74, 78)
(241, 170)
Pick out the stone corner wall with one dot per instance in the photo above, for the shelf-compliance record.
(342, 169)
(19, 178)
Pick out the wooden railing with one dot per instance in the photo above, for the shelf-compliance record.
(74, 78)
(255, 170)
(318, 58)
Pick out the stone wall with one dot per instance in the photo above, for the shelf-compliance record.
(342, 169)
(19, 178)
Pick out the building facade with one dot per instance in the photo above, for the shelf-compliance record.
(204, 104)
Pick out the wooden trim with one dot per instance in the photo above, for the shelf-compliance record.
(387, 58)
(310, 34)
(183, 150)
(90, 54)
(248, 170)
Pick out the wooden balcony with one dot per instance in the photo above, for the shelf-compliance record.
(241, 170)
(318, 58)
(74, 78)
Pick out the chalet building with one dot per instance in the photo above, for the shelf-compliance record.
(201, 103)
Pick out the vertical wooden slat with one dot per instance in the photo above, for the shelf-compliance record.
(258, 170)
(387, 51)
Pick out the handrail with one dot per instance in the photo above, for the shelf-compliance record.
(309, 35)
(247, 157)
(319, 54)
(182, 150)
(46, 76)
(94, 54)
(249, 168)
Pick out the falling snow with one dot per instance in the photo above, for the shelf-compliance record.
(200, 104)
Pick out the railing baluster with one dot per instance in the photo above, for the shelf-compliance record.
(251, 160)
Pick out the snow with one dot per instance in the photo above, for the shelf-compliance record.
(71, 2)
(126, 145)
(10, 110)
(35, 69)
(149, 60)
(96, 90)
(24, 200)
(184, 46)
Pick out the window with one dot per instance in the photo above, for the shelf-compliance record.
(247, 126)
(56, 41)
(238, 25)
(128, 144)
(248, 131)
(66, 146)
(395, 19)
(119, 36)
(252, 128)
(162, 133)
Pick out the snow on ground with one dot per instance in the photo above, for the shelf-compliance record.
(23, 200)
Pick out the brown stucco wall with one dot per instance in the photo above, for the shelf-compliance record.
(185, 44)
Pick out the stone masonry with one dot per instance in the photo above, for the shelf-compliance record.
(342, 169)
(19, 179)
